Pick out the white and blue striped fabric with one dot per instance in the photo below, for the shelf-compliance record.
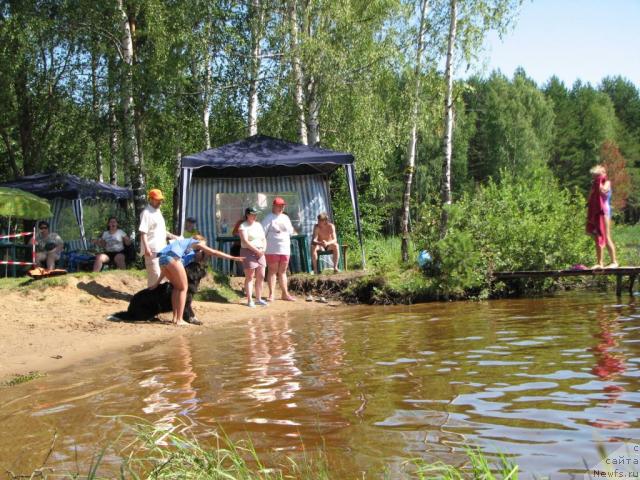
(60, 205)
(313, 190)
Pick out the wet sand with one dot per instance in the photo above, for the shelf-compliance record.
(45, 329)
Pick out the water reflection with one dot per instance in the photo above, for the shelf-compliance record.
(543, 380)
(610, 364)
(271, 360)
(172, 394)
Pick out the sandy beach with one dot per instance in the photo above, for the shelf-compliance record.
(45, 329)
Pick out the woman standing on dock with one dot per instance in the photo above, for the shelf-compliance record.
(599, 216)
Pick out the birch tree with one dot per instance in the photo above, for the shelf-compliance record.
(296, 67)
(411, 151)
(447, 141)
(129, 137)
(256, 22)
(469, 21)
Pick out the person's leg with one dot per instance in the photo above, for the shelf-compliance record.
(176, 274)
(314, 257)
(101, 258)
(51, 259)
(598, 255)
(119, 260)
(152, 264)
(610, 245)
(271, 280)
(259, 282)
(41, 258)
(248, 283)
(335, 249)
(282, 279)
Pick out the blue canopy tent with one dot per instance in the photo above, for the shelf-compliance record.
(69, 190)
(262, 166)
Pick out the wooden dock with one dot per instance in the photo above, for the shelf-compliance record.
(619, 272)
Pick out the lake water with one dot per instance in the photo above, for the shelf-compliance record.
(543, 380)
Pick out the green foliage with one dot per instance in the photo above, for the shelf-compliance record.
(19, 379)
(512, 224)
(514, 126)
(584, 119)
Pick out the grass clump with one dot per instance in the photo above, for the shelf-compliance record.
(479, 468)
(19, 379)
(176, 453)
(223, 292)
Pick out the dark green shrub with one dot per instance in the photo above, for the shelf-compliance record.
(519, 223)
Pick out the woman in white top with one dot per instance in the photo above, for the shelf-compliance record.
(113, 241)
(278, 229)
(252, 246)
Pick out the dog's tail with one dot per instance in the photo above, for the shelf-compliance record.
(120, 316)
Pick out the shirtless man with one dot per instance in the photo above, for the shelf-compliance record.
(324, 238)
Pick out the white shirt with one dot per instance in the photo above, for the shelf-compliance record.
(278, 229)
(152, 223)
(255, 235)
(114, 241)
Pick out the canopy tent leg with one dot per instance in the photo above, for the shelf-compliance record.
(79, 213)
(353, 192)
(185, 183)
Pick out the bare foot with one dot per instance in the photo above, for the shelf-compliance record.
(288, 298)
(181, 323)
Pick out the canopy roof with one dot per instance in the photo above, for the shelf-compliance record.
(260, 151)
(71, 187)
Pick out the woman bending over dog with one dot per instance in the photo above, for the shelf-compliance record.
(173, 258)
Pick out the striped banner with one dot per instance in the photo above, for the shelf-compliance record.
(33, 249)
(16, 235)
(313, 191)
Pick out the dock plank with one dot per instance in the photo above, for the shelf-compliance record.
(630, 271)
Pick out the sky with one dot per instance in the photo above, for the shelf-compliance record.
(572, 39)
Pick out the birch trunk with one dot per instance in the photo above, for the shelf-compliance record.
(411, 151)
(95, 107)
(206, 100)
(113, 144)
(448, 119)
(129, 140)
(112, 121)
(176, 194)
(313, 107)
(255, 19)
(297, 72)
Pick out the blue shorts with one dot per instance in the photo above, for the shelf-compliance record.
(167, 258)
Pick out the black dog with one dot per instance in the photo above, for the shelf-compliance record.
(146, 304)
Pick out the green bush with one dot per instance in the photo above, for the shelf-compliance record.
(518, 223)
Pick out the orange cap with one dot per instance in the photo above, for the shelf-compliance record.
(156, 194)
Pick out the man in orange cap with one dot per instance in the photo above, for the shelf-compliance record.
(153, 235)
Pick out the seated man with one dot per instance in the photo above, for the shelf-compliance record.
(324, 238)
(49, 245)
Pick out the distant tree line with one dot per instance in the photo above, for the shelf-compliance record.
(118, 91)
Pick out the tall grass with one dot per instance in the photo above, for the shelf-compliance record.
(479, 468)
(627, 240)
(167, 455)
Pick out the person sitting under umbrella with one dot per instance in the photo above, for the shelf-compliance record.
(49, 245)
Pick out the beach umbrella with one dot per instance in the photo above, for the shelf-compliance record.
(17, 203)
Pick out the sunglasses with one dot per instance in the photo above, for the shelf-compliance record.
(44, 228)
